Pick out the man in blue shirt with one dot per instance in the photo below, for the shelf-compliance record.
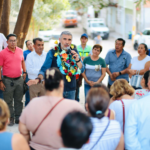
(118, 61)
(51, 61)
(30, 48)
(137, 132)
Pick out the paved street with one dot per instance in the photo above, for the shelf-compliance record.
(107, 45)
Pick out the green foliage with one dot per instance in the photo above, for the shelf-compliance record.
(138, 2)
(47, 13)
(83, 4)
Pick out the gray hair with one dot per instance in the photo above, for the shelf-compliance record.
(65, 33)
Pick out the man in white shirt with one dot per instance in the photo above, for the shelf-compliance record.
(3, 41)
(34, 63)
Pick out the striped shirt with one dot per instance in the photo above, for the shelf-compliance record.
(109, 140)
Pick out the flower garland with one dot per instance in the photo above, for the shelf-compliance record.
(67, 65)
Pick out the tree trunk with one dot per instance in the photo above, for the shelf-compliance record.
(5, 17)
(1, 8)
(23, 21)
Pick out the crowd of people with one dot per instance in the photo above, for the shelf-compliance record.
(114, 117)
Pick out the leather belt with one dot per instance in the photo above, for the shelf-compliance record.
(11, 78)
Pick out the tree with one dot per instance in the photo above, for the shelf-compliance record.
(23, 21)
(4, 27)
(47, 14)
(1, 8)
(83, 4)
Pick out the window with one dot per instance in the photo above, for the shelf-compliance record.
(98, 25)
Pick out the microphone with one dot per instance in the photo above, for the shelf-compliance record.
(69, 52)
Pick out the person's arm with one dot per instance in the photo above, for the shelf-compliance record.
(19, 142)
(102, 76)
(121, 143)
(131, 129)
(77, 57)
(110, 74)
(125, 71)
(24, 131)
(24, 69)
(87, 81)
(47, 64)
(146, 68)
(2, 86)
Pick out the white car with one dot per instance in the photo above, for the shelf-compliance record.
(97, 28)
(146, 36)
(54, 37)
(45, 35)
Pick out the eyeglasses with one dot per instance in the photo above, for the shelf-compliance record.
(12, 41)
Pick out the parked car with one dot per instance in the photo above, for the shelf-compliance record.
(54, 37)
(45, 34)
(146, 36)
(95, 28)
(70, 20)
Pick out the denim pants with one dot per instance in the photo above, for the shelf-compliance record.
(1, 94)
(86, 89)
(69, 94)
(27, 95)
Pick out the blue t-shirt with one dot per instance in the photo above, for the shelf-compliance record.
(117, 64)
(25, 53)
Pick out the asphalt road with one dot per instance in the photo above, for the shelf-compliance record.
(107, 45)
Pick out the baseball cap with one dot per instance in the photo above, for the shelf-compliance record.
(84, 35)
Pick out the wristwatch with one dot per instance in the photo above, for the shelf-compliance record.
(120, 73)
(24, 72)
(39, 80)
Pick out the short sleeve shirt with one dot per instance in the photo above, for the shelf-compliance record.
(46, 137)
(93, 69)
(25, 53)
(117, 64)
(11, 62)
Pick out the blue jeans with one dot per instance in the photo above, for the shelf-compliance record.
(86, 89)
(1, 94)
(27, 95)
(69, 94)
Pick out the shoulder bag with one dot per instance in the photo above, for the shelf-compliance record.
(123, 110)
(136, 80)
(101, 135)
(46, 116)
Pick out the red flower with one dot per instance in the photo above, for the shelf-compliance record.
(70, 74)
(55, 48)
(72, 63)
(66, 71)
(77, 76)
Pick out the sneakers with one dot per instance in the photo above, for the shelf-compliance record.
(11, 122)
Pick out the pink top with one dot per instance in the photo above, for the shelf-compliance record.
(11, 62)
(46, 137)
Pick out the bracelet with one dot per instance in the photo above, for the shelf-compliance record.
(120, 73)
(24, 72)
(39, 80)
(78, 60)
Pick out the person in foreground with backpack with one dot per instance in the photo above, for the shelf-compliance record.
(43, 115)
(106, 134)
